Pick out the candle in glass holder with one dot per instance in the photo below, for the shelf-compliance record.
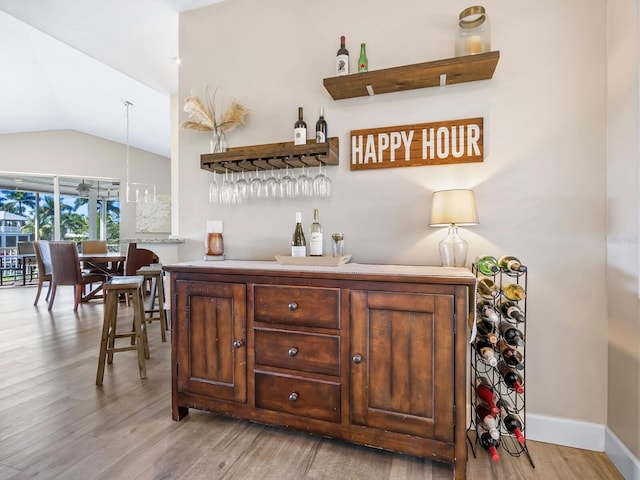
(473, 32)
(214, 244)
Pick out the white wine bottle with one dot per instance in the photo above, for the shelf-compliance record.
(342, 59)
(315, 237)
(300, 130)
(298, 242)
(321, 128)
(511, 265)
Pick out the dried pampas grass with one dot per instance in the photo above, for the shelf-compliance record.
(202, 116)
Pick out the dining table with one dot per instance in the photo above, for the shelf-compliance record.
(109, 263)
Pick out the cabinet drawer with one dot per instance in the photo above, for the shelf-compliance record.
(305, 306)
(298, 351)
(298, 396)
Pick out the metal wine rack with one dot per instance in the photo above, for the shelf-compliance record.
(508, 441)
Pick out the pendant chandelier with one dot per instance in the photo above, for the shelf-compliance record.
(136, 192)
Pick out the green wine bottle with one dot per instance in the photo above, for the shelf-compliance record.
(487, 265)
(363, 63)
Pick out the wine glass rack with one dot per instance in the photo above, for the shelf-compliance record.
(480, 368)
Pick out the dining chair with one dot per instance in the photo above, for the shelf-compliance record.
(138, 257)
(65, 270)
(27, 248)
(94, 246)
(43, 261)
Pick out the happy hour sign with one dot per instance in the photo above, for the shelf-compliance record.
(447, 142)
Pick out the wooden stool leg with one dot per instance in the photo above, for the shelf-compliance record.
(161, 312)
(113, 324)
(106, 334)
(143, 323)
(138, 330)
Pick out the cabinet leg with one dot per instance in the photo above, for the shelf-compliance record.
(179, 413)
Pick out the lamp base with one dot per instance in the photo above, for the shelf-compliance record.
(453, 249)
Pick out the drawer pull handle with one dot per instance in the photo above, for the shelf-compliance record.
(357, 358)
(238, 343)
(293, 397)
(293, 306)
(293, 351)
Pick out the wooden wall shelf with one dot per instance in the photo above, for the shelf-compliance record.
(272, 156)
(468, 68)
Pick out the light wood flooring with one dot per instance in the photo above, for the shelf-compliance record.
(55, 422)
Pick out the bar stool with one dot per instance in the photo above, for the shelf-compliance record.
(131, 285)
(154, 273)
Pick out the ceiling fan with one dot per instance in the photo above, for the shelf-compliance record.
(83, 188)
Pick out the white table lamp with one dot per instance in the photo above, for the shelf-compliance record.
(452, 208)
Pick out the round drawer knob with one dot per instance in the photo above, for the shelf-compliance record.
(237, 343)
(293, 306)
(293, 397)
(293, 351)
(357, 358)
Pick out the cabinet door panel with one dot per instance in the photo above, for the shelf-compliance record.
(404, 382)
(212, 318)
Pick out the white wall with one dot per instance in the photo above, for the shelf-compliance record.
(70, 153)
(540, 191)
(622, 222)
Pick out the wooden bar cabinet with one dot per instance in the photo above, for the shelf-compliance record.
(369, 354)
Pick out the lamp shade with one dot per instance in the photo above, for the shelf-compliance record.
(453, 207)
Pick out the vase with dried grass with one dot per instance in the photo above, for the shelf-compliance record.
(202, 117)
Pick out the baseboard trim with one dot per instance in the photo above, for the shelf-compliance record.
(563, 431)
(624, 460)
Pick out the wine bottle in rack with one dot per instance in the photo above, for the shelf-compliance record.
(485, 351)
(490, 445)
(487, 288)
(487, 420)
(511, 334)
(342, 59)
(510, 420)
(485, 392)
(300, 130)
(511, 311)
(512, 379)
(487, 329)
(488, 311)
(487, 265)
(511, 265)
(321, 128)
(510, 355)
(513, 291)
(298, 242)
(315, 240)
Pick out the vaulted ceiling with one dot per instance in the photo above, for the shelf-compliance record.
(72, 64)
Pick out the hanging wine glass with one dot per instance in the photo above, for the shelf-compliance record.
(322, 185)
(305, 185)
(227, 192)
(214, 189)
(272, 185)
(254, 186)
(242, 188)
(287, 185)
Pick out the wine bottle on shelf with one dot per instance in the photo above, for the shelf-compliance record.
(512, 335)
(511, 311)
(487, 288)
(486, 352)
(363, 63)
(487, 420)
(510, 420)
(487, 310)
(513, 291)
(315, 236)
(484, 390)
(321, 128)
(487, 265)
(511, 378)
(298, 242)
(488, 330)
(490, 445)
(342, 59)
(300, 130)
(510, 355)
(511, 265)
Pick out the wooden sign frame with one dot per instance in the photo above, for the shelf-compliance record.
(436, 143)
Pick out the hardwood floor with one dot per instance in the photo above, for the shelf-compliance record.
(56, 424)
